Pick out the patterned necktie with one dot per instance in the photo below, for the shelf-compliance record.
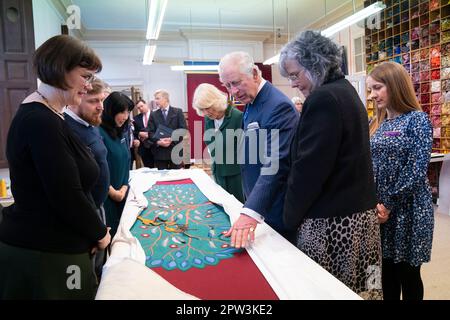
(165, 114)
(246, 113)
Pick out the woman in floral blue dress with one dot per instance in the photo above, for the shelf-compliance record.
(401, 140)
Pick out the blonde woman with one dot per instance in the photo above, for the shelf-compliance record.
(212, 104)
(401, 141)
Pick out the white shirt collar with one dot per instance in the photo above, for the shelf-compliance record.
(263, 82)
(218, 123)
(75, 117)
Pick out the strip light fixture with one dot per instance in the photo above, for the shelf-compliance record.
(354, 18)
(155, 18)
(149, 54)
(328, 32)
(272, 60)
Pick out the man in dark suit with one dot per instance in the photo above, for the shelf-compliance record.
(161, 124)
(141, 129)
(269, 115)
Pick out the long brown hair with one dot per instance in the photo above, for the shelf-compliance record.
(400, 91)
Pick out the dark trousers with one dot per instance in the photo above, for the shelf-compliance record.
(232, 184)
(166, 164)
(401, 278)
(132, 158)
(147, 158)
(99, 258)
(30, 274)
(290, 235)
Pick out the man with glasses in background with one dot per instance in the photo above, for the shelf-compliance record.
(267, 109)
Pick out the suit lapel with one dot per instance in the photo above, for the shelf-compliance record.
(169, 116)
(160, 116)
(253, 111)
(140, 120)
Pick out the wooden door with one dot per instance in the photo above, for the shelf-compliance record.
(17, 78)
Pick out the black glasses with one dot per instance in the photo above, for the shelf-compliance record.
(89, 78)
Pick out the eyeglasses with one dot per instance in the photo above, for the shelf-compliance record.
(294, 76)
(89, 78)
(232, 84)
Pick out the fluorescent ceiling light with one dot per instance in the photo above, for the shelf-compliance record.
(210, 67)
(272, 60)
(155, 18)
(149, 54)
(358, 16)
(328, 32)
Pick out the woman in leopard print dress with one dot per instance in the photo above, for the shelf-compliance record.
(330, 190)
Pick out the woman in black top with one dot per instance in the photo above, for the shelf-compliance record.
(48, 234)
(330, 196)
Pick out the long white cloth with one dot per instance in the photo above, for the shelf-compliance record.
(290, 273)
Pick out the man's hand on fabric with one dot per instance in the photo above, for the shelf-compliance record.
(243, 229)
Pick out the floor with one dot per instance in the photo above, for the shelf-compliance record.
(436, 273)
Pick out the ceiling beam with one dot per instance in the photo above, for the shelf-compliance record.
(114, 35)
(220, 34)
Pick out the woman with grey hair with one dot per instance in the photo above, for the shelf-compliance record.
(330, 197)
(220, 116)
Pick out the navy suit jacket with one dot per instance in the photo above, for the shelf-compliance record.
(139, 127)
(175, 120)
(265, 193)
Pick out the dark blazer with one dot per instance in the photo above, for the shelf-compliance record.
(331, 168)
(265, 193)
(232, 120)
(139, 127)
(175, 120)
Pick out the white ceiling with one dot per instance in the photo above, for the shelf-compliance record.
(222, 15)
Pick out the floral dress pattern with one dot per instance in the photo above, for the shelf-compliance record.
(401, 150)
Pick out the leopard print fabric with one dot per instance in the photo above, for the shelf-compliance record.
(347, 247)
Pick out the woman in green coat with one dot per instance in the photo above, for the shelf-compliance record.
(221, 122)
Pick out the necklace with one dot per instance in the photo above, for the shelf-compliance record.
(47, 104)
